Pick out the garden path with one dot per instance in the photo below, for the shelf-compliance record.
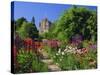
(51, 65)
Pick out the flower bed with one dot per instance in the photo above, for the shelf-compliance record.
(72, 58)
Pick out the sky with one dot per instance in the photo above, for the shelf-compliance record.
(40, 11)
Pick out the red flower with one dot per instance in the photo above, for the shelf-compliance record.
(28, 44)
(85, 50)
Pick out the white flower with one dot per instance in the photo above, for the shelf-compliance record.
(57, 54)
(65, 50)
(62, 53)
(66, 47)
(59, 51)
(71, 51)
(79, 51)
(75, 48)
(70, 47)
(74, 52)
(60, 59)
(57, 64)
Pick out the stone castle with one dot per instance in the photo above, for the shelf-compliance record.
(44, 26)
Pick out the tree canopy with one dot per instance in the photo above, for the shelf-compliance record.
(76, 20)
(26, 29)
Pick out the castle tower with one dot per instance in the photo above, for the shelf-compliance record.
(44, 26)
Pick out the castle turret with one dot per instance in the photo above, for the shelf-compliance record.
(44, 26)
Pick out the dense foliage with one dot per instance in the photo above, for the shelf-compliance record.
(76, 20)
(26, 29)
(29, 62)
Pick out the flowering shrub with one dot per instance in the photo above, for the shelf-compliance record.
(72, 58)
(28, 42)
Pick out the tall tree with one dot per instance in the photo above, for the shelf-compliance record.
(33, 20)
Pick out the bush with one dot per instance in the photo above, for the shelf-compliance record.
(25, 60)
(29, 62)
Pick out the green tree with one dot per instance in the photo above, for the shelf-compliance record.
(76, 20)
(28, 30)
(33, 20)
